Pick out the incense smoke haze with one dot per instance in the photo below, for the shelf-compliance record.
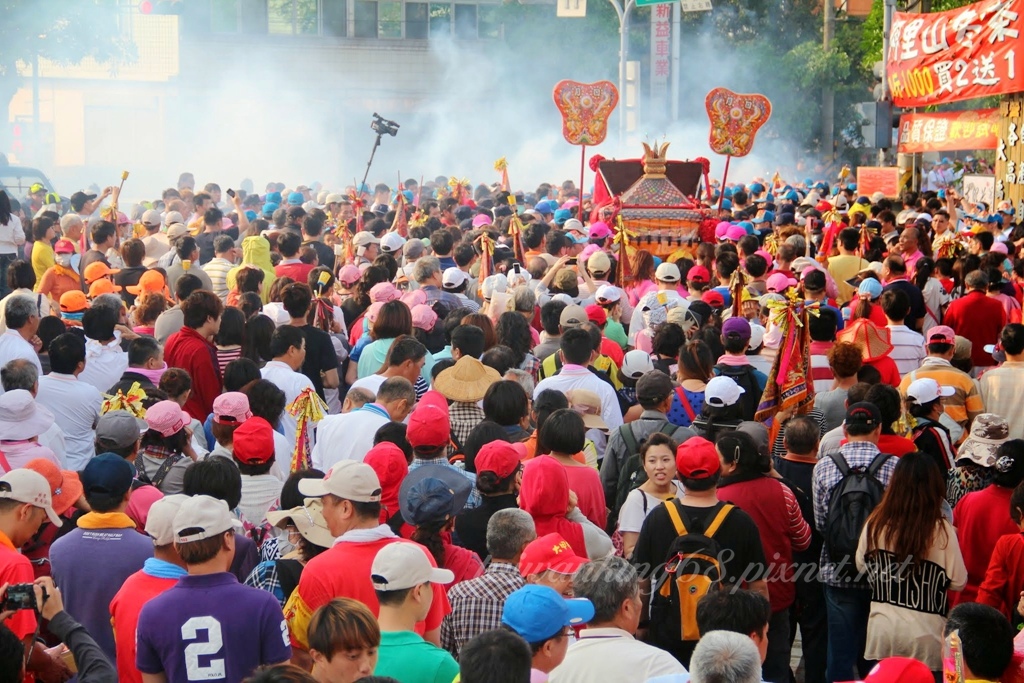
(256, 119)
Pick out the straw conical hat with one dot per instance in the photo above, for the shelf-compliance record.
(467, 381)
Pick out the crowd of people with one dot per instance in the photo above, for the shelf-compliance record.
(438, 433)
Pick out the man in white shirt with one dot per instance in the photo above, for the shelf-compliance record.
(19, 340)
(288, 349)
(105, 360)
(578, 352)
(75, 404)
(907, 345)
(606, 649)
(22, 374)
(349, 436)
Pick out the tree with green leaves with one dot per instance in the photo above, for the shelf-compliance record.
(62, 31)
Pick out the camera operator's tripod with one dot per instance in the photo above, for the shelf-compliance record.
(381, 126)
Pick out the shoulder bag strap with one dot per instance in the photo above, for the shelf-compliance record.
(685, 402)
(716, 523)
(165, 467)
(629, 438)
(840, 461)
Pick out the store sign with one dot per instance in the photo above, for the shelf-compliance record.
(661, 46)
(949, 131)
(973, 51)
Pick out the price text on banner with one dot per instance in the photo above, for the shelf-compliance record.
(973, 51)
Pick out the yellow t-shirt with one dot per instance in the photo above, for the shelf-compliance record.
(842, 268)
(43, 259)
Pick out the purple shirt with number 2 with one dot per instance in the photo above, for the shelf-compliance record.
(211, 628)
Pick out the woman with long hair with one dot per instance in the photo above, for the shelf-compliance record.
(695, 369)
(355, 306)
(393, 320)
(926, 278)
(513, 331)
(484, 323)
(148, 307)
(866, 305)
(642, 277)
(12, 236)
(230, 337)
(165, 451)
(908, 542)
(746, 482)
(258, 331)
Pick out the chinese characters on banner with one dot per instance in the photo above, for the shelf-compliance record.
(949, 131)
(661, 49)
(1010, 150)
(973, 51)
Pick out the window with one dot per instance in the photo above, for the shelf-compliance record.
(465, 22)
(292, 17)
(440, 20)
(366, 19)
(488, 22)
(390, 19)
(335, 18)
(416, 20)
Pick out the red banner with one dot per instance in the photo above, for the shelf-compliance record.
(973, 51)
(949, 131)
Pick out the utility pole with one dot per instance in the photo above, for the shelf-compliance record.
(622, 11)
(889, 8)
(827, 94)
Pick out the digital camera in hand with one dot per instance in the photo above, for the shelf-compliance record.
(19, 596)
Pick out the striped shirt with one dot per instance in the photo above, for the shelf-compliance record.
(218, 269)
(966, 403)
(908, 348)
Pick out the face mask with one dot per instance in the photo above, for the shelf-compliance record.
(64, 259)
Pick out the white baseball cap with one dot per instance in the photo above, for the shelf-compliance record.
(636, 363)
(28, 486)
(348, 479)
(926, 390)
(392, 242)
(722, 391)
(608, 294)
(209, 515)
(453, 277)
(667, 272)
(402, 565)
(364, 238)
(160, 519)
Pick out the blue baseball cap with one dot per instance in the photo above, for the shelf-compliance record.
(792, 196)
(107, 474)
(545, 207)
(273, 198)
(726, 204)
(728, 192)
(748, 226)
(756, 188)
(251, 215)
(538, 613)
(852, 187)
(270, 207)
(295, 199)
(766, 217)
(562, 215)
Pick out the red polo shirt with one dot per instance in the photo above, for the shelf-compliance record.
(979, 318)
(187, 350)
(15, 568)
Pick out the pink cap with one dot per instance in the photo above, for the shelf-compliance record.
(1000, 248)
(423, 317)
(349, 275)
(599, 230)
(414, 297)
(166, 418)
(570, 203)
(122, 218)
(721, 229)
(735, 233)
(373, 311)
(481, 220)
(231, 408)
(779, 282)
(383, 292)
(64, 247)
(766, 256)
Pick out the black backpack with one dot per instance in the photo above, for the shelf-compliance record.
(744, 376)
(853, 499)
(692, 569)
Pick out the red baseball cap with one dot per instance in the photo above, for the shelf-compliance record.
(597, 315)
(698, 274)
(713, 299)
(550, 552)
(253, 441)
(900, 670)
(696, 458)
(499, 457)
(428, 422)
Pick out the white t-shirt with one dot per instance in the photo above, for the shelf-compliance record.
(638, 505)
